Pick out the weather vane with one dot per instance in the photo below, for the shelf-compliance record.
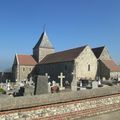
(44, 27)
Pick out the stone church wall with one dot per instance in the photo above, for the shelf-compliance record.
(44, 52)
(24, 71)
(40, 53)
(55, 69)
(86, 65)
(105, 55)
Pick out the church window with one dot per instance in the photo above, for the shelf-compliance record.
(23, 69)
(30, 69)
(88, 67)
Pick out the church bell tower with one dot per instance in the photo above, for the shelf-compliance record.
(42, 48)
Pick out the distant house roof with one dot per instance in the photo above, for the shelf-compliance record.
(97, 51)
(43, 42)
(67, 55)
(111, 65)
(26, 60)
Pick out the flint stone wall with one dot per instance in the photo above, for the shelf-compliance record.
(46, 99)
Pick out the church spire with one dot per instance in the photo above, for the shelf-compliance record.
(43, 41)
(43, 47)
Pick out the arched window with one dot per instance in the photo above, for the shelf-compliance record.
(89, 67)
(23, 69)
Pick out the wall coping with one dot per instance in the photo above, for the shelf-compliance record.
(47, 99)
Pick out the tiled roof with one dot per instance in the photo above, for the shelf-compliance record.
(26, 60)
(111, 65)
(97, 51)
(63, 56)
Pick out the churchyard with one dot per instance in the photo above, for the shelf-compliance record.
(42, 85)
(67, 84)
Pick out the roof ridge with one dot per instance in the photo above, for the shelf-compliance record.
(99, 47)
(68, 50)
(62, 56)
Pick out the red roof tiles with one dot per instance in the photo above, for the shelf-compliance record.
(26, 60)
(111, 65)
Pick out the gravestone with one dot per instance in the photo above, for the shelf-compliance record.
(74, 82)
(53, 83)
(103, 79)
(119, 79)
(41, 85)
(29, 90)
(83, 88)
(54, 87)
(8, 86)
(49, 87)
(94, 84)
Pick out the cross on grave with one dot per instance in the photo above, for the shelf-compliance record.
(61, 76)
(46, 74)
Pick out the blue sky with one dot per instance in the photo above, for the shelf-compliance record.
(69, 24)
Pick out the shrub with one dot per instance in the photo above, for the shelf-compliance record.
(2, 91)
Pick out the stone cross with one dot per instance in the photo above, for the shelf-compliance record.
(61, 79)
(46, 74)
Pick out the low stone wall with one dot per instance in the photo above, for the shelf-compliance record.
(62, 105)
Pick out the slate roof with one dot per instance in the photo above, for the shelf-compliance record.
(111, 65)
(97, 51)
(26, 60)
(43, 42)
(67, 55)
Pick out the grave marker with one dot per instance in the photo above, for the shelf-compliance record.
(74, 82)
(41, 85)
(61, 81)
(49, 87)
(94, 84)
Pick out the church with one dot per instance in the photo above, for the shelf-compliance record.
(78, 64)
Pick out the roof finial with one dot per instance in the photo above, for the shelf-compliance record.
(44, 28)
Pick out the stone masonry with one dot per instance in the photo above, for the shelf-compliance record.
(89, 104)
(82, 63)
